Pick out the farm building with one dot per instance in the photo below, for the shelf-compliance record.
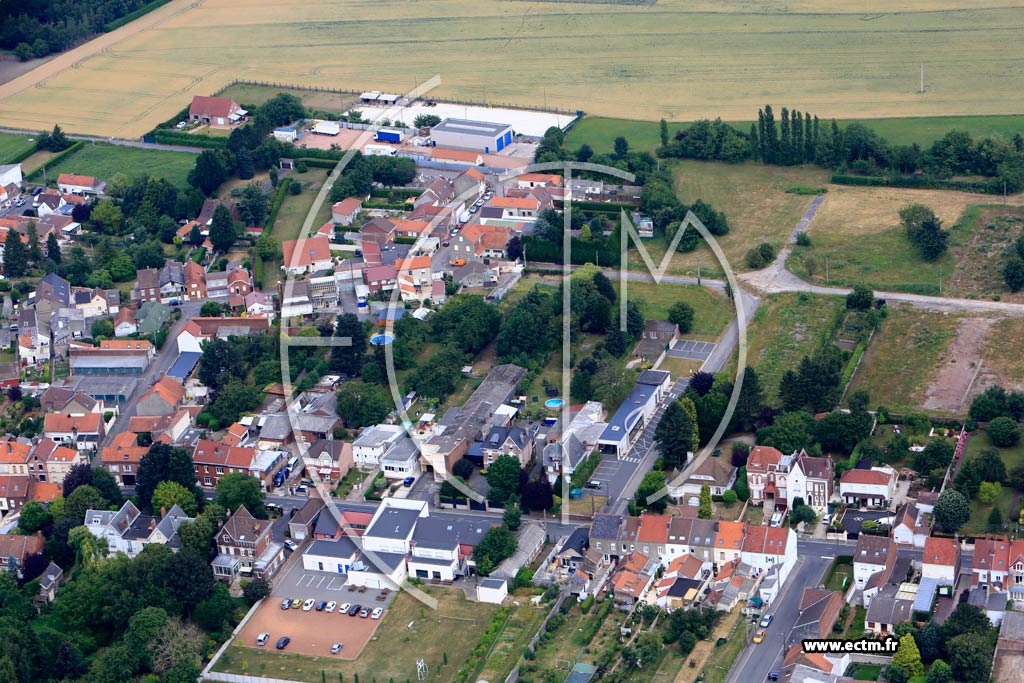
(477, 136)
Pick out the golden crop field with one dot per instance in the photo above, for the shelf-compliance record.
(678, 59)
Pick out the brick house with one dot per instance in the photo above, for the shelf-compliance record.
(245, 546)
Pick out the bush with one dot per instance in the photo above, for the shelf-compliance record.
(295, 188)
(729, 497)
(1003, 432)
(803, 239)
(761, 255)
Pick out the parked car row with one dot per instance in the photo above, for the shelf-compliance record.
(283, 641)
(329, 606)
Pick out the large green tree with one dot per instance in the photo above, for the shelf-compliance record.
(222, 229)
(674, 435)
(952, 510)
(503, 478)
(349, 357)
(15, 256)
(495, 545)
(170, 493)
(361, 404)
(209, 172)
(239, 489)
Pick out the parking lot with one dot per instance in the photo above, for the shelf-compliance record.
(312, 632)
(301, 583)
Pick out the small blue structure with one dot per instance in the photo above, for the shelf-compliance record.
(184, 364)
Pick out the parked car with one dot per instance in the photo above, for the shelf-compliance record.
(759, 636)
(408, 481)
(377, 613)
(354, 610)
(286, 603)
(766, 620)
(321, 605)
(459, 262)
(336, 648)
(308, 605)
(262, 639)
(282, 642)
(365, 612)
(330, 606)
(290, 544)
(345, 607)
(301, 490)
(296, 603)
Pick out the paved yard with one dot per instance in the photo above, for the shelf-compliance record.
(694, 350)
(298, 582)
(312, 632)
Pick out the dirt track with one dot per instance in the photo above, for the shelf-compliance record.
(957, 377)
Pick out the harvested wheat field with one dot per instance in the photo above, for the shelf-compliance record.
(635, 59)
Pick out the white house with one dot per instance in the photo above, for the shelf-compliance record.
(770, 547)
(69, 183)
(910, 528)
(717, 473)
(868, 488)
(391, 528)
(872, 554)
(401, 460)
(128, 531)
(374, 442)
(940, 560)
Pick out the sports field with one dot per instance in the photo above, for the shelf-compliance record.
(677, 59)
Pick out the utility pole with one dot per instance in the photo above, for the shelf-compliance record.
(698, 270)
(922, 79)
(826, 271)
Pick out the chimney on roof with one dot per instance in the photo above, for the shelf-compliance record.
(152, 524)
(163, 512)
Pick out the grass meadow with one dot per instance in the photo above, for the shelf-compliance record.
(103, 161)
(698, 59)
(785, 328)
(904, 357)
(13, 145)
(857, 238)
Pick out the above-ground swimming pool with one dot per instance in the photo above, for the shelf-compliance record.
(381, 339)
(554, 403)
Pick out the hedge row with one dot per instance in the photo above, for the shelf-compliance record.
(992, 186)
(132, 16)
(851, 364)
(282, 190)
(388, 191)
(61, 156)
(317, 163)
(581, 474)
(18, 158)
(177, 137)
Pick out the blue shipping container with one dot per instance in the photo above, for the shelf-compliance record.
(389, 136)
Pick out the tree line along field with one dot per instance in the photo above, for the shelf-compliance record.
(600, 132)
(673, 59)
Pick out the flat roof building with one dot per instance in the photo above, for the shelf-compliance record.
(477, 136)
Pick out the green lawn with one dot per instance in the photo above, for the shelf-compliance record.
(600, 132)
(103, 161)
(867, 672)
(978, 523)
(712, 311)
(839, 576)
(786, 328)
(453, 630)
(13, 145)
(856, 627)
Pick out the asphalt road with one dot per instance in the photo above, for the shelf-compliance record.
(163, 362)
